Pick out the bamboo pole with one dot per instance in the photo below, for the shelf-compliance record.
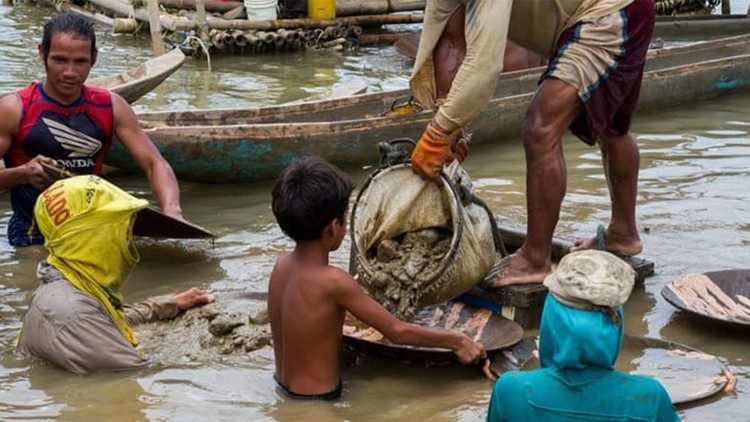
(124, 26)
(122, 9)
(200, 8)
(726, 7)
(369, 20)
(376, 39)
(97, 18)
(371, 7)
(157, 43)
(211, 6)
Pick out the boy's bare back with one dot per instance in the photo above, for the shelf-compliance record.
(308, 299)
(306, 323)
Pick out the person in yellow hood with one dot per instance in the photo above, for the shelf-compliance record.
(77, 318)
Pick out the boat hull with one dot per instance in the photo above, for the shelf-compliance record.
(249, 145)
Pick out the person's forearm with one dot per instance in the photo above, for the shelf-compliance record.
(12, 177)
(486, 34)
(417, 335)
(165, 187)
(155, 308)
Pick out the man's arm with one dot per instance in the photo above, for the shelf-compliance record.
(29, 173)
(159, 172)
(486, 34)
(349, 295)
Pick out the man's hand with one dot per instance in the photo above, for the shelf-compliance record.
(174, 212)
(191, 298)
(469, 351)
(34, 173)
(436, 148)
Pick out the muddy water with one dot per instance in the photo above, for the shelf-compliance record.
(694, 204)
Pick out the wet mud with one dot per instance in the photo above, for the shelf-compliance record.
(404, 266)
(218, 332)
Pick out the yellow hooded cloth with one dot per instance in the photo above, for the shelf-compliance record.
(87, 224)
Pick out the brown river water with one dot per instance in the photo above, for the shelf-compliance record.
(693, 211)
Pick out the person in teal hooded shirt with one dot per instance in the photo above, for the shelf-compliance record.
(579, 340)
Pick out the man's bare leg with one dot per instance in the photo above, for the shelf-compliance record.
(621, 161)
(552, 110)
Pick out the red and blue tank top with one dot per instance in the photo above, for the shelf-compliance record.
(77, 135)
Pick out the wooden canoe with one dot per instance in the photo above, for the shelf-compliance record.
(255, 144)
(670, 27)
(722, 296)
(139, 81)
(686, 373)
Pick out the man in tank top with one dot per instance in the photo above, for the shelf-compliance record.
(63, 120)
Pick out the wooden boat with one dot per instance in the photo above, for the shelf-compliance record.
(255, 144)
(139, 81)
(699, 27)
(722, 296)
(686, 373)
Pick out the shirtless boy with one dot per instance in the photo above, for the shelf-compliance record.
(308, 298)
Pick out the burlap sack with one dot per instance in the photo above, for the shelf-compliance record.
(395, 201)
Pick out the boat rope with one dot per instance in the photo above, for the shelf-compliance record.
(203, 47)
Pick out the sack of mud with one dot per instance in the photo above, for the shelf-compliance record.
(418, 243)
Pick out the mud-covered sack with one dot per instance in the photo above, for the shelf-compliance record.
(396, 207)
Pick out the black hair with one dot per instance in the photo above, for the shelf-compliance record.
(308, 195)
(68, 23)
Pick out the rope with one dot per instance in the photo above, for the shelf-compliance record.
(203, 47)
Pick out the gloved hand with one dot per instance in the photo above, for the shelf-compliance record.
(436, 148)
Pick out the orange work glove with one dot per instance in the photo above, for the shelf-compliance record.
(436, 148)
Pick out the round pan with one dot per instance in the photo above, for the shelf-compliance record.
(687, 373)
(722, 296)
(494, 332)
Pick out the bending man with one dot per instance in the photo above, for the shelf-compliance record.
(77, 318)
(597, 51)
(63, 120)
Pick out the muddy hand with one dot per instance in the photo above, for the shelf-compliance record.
(469, 351)
(192, 297)
(488, 371)
(34, 173)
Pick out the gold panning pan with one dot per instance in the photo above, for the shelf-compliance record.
(493, 331)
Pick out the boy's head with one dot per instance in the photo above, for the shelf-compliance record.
(309, 196)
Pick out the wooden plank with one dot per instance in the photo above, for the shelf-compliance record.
(524, 302)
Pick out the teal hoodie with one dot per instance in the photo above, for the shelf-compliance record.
(577, 380)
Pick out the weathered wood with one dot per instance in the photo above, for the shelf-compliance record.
(157, 43)
(726, 7)
(370, 20)
(211, 6)
(524, 302)
(371, 7)
(124, 26)
(200, 11)
(122, 9)
(99, 19)
(215, 145)
(378, 39)
(710, 26)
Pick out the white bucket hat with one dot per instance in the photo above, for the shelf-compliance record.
(592, 279)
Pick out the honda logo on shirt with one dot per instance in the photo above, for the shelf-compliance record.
(76, 143)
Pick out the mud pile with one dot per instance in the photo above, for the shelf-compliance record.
(217, 332)
(402, 267)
